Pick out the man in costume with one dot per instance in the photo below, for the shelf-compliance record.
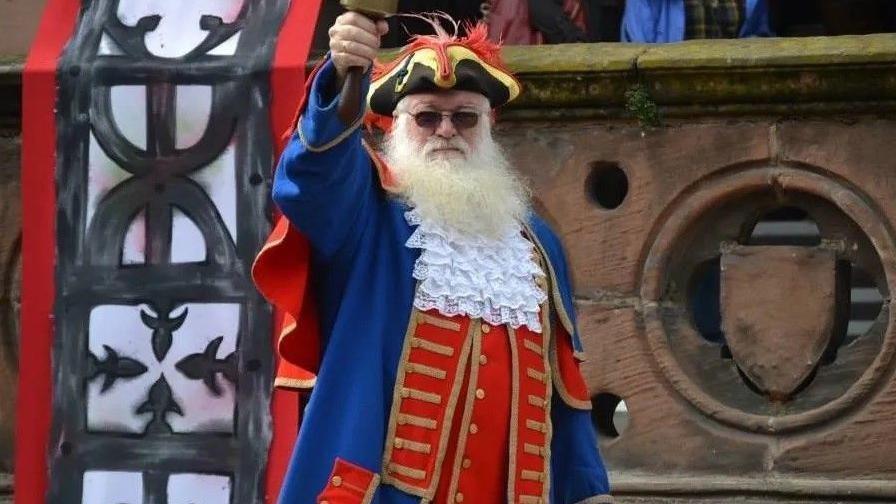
(445, 365)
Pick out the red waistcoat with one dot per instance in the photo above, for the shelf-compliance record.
(471, 410)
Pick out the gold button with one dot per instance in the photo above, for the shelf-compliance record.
(466, 463)
(397, 443)
(337, 481)
(459, 497)
(473, 428)
(483, 359)
(480, 394)
(486, 328)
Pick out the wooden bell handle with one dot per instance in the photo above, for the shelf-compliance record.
(350, 97)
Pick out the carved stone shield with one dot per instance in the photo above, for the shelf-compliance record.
(778, 312)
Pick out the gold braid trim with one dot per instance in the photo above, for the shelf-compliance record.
(421, 395)
(429, 346)
(294, 383)
(427, 370)
(371, 489)
(465, 421)
(332, 143)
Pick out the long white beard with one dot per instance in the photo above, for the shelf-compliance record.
(479, 194)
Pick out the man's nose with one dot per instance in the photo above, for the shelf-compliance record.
(446, 128)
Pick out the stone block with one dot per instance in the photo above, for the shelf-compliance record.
(698, 425)
(605, 245)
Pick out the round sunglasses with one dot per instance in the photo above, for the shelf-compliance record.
(461, 119)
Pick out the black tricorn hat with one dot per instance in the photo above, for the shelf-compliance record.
(444, 62)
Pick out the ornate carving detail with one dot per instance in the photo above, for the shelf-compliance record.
(719, 209)
(162, 328)
(160, 403)
(159, 142)
(205, 366)
(779, 312)
(112, 368)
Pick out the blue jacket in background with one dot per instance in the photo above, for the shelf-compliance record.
(650, 21)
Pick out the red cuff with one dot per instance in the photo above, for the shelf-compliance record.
(349, 484)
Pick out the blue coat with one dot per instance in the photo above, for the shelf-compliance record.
(326, 185)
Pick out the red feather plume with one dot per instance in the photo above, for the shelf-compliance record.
(476, 41)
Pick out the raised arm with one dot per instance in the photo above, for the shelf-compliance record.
(324, 178)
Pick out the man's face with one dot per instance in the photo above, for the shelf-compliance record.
(450, 168)
(446, 125)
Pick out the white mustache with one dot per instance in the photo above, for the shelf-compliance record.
(435, 143)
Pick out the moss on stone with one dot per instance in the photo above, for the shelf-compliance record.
(736, 75)
(639, 104)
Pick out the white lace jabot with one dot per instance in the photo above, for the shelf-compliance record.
(462, 274)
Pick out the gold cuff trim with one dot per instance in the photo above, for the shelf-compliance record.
(536, 401)
(534, 374)
(340, 482)
(532, 449)
(332, 143)
(536, 426)
(417, 421)
(531, 345)
(371, 489)
(408, 472)
(414, 446)
(532, 475)
(429, 346)
(295, 383)
(530, 499)
(423, 369)
(421, 395)
(438, 322)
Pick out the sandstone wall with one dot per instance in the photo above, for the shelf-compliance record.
(18, 23)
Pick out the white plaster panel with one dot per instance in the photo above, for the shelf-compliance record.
(203, 411)
(228, 47)
(120, 327)
(134, 248)
(218, 180)
(187, 243)
(129, 113)
(198, 489)
(178, 32)
(108, 47)
(112, 487)
(193, 106)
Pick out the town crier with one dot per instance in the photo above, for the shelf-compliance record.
(426, 304)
